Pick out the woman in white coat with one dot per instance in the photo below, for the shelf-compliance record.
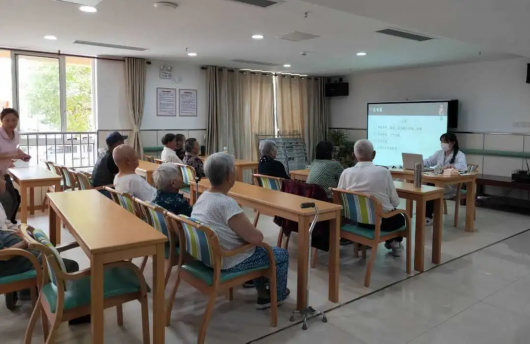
(450, 156)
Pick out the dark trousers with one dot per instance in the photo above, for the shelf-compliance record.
(389, 225)
(429, 206)
(10, 199)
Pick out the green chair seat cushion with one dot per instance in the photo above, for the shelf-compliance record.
(117, 281)
(205, 273)
(365, 232)
(185, 189)
(463, 191)
(18, 277)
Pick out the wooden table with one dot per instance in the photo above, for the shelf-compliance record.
(276, 203)
(241, 165)
(146, 169)
(107, 233)
(441, 181)
(30, 178)
(421, 196)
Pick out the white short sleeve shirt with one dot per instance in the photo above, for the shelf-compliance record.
(136, 186)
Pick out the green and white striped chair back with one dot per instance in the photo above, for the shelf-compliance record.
(197, 243)
(43, 239)
(358, 208)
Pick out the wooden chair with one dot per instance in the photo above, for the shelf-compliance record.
(188, 177)
(26, 280)
(461, 194)
(202, 244)
(65, 296)
(363, 208)
(158, 161)
(271, 183)
(149, 158)
(50, 165)
(83, 181)
(126, 202)
(157, 219)
(69, 182)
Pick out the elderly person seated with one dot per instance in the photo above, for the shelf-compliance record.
(223, 215)
(181, 152)
(324, 171)
(191, 159)
(168, 182)
(267, 165)
(376, 181)
(127, 181)
(170, 145)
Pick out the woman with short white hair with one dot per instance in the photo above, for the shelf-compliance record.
(216, 210)
(168, 182)
(267, 164)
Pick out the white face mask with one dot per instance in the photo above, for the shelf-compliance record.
(445, 147)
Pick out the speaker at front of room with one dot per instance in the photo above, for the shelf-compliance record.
(452, 114)
(528, 73)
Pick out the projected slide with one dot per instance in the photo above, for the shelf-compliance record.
(396, 128)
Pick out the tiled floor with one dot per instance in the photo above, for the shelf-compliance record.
(479, 298)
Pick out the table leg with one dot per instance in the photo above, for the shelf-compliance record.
(158, 295)
(149, 178)
(437, 231)
(55, 229)
(96, 303)
(410, 207)
(471, 188)
(31, 201)
(303, 258)
(419, 249)
(239, 174)
(23, 203)
(334, 258)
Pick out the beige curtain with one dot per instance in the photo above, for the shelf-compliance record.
(301, 107)
(240, 105)
(135, 89)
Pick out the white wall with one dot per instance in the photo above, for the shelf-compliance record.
(111, 101)
(186, 76)
(493, 95)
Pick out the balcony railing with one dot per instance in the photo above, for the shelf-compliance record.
(68, 149)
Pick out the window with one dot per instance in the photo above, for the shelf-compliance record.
(55, 93)
(6, 91)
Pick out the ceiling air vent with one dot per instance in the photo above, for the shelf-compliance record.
(259, 3)
(405, 34)
(268, 64)
(105, 45)
(297, 36)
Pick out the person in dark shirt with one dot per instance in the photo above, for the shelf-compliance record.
(181, 152)
(168, 182)
(105, 168)
(192, 159)
(267, 165)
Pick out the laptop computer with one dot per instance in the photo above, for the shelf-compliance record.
(410, 160)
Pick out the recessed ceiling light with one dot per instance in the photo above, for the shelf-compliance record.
(287, 65)
(361, 53)
(192, 54)
(257, 36)
(88, 9)
(166, 5)
(50, 37)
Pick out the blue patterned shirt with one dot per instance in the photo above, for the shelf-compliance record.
(173, 202)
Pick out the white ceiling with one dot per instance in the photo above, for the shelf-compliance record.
(220, 31)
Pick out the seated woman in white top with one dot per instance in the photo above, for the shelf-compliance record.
(127, 181)
(450, 156)
(222, 214)
(168, 153)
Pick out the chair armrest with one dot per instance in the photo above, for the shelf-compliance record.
(8, 253)
(128, 265)
(393, 213)
(246, 248)
(104, 186)
(73, 276)
(67, 247)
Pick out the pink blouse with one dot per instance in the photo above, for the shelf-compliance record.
(7, 145)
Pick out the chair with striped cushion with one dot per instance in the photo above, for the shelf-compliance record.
(188, 178)
(271, 183)
(362, 208)
(156, 218)
(65, 296)
(204, 272)
(68, 178)
(126, 202)
(461, 194)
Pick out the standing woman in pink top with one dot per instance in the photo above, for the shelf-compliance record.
(9, 151)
